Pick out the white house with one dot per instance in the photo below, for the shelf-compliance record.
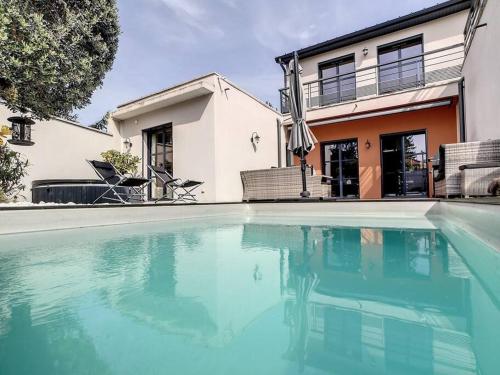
(206, 129)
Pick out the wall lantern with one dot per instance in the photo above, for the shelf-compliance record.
(21, 131)
(255, 138)
(368, 145)
(365, 51)
(127, 143)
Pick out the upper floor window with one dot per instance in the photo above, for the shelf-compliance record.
(401, 65)
(337, 80)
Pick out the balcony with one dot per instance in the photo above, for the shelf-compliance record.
(408, 73)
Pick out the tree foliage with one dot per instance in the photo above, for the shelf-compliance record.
(123, 162)
(12, 171)
(102, 124)
(54, 54)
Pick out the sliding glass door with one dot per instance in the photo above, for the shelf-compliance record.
(340, 161)
(404, 165)
(159, 154)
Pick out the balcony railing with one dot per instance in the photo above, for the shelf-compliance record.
(412, 72)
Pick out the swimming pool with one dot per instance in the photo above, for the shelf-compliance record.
(251, 294)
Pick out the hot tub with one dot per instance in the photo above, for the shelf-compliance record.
(69, 191)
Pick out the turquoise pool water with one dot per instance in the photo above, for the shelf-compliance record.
(239, 296)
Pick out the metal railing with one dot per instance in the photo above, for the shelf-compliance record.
(416, 71)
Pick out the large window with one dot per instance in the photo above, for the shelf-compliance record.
(338, 80)
(160, 154)
(401, 65)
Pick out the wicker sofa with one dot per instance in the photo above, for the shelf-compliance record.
(281, 183)
(448, 181)
(476, 178)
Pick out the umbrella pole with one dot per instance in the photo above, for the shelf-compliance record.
(305, 193)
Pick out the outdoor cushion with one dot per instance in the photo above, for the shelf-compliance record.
(479, 165)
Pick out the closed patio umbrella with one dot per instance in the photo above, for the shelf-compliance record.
(301, 140)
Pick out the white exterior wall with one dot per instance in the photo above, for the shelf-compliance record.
(60, 149)
(193, 140)
(211, 136)
(237, 116)
(482, 78)
(439, 33)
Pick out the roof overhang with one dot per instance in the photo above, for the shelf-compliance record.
(163, 99)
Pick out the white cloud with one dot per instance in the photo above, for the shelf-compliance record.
(195, 14)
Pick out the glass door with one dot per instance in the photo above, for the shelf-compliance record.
(160, 154)
(340, 161)
(404, 165)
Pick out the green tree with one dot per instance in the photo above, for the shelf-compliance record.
(54, 54)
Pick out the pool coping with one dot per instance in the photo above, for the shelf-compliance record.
(17, 220)
(164, 204)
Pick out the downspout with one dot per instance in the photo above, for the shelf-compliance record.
(284, 71)
(278, 127)
(461, 109)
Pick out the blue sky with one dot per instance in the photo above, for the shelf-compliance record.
(165, 42)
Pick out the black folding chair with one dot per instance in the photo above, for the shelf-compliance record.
(175, 189)
(124, 188)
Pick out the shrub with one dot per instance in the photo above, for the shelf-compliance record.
(123, 162)
(12, 171)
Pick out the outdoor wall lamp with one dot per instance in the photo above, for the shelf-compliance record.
(21, 131)
(368, 144)
(127, 143)
(255, 138)
(365, 51)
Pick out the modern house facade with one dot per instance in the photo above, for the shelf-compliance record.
(381, 100)
(207, 130)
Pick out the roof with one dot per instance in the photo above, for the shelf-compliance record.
(425, 15)
(167, 89)
(175, 94)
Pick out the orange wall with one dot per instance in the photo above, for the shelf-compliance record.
(440, 123)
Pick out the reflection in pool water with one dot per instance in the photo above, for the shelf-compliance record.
(247, 298)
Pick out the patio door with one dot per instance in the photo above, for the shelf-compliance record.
(159, 154)
(404, 165)
(340, 161)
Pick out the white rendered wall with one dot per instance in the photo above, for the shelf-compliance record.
(211, 138)
(482, 78)
(439, 33)
(237, 116)
(193, 140)
(60, 150)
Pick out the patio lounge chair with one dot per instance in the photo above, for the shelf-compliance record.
(175, 189)
(124, 188)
